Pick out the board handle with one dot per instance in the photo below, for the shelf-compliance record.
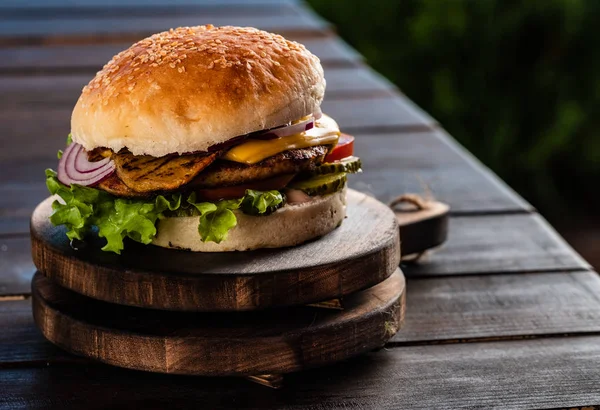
(423, 224)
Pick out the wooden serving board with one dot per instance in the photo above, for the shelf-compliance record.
(361, 253)
(276, 341)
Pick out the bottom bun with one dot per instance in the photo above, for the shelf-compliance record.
(288, 226)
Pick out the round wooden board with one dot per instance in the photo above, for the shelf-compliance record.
(362, 252)
(218, 344)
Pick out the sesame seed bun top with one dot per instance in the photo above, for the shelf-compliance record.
(187, 89)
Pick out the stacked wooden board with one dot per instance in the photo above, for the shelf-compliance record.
(505, 315)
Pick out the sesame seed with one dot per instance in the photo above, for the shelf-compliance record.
(201, 47)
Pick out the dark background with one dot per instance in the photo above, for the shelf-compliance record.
(516, 82)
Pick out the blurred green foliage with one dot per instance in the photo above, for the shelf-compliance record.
(516, 82)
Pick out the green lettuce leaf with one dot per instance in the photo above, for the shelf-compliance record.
(131, 218)
(80, 208)
(261, 203)
(216, 219)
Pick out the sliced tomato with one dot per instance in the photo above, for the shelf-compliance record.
(343, 149)
(238, 191)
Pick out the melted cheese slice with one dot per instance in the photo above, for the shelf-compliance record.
(325, 132)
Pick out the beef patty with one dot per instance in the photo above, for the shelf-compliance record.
(143, 173)
(224, 173)
(142, 176)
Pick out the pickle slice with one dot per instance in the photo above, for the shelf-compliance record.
(350, 165)
(321, 184)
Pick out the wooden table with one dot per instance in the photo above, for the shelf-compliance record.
(506, 315)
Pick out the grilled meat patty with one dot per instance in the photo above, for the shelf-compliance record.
(224, 173)
(145, 174)
(114, 186)
(141, 176)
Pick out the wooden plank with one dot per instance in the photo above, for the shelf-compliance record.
(476, 245)
(21, 342)
(438, 310)
(26, 92)
(544, 373)
(41, 127)
(87, 4)
(79, 30)
(378, 114)
(394, 164)
(90, 58)
(398, 163)
(16, 267)
(111, 8)
(500, 306)
(499, 244)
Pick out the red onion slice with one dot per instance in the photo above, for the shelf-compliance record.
(83, 165)
(68, 173)
(286, 130)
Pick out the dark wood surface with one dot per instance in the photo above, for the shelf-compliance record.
(474, 375)
(504, 274)
(159, 278)
(58, 59)
(242, 344)
(91, 28)
(489, 307)
(499, 243)
(428, 163)
(494, 307)
(512, 243)
(139, 5)
(20, 91)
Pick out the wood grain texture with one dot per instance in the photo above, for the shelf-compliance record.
(89, 58)
(542, 373)
(475, 245)
(362, 252)
(273, 341)
(81, 30)
(501, 306)
(32, 5)
(44, 127)
(499, 243)
(381, 113)
(24, 92)
(16, 267)
(396, 163)
(438, 310)
(422, 229)
(21, 343)
(115, 8)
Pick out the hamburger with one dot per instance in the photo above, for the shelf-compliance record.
(206, 139)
